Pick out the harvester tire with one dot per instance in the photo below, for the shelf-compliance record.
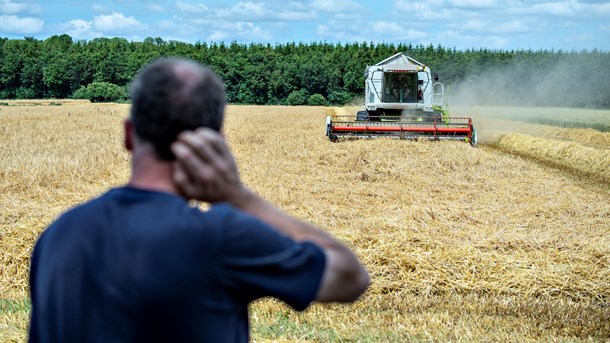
(474, 139)
(362, 116)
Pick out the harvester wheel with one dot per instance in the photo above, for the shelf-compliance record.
(474, 139)
(362, 116)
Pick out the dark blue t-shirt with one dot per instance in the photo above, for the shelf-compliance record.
(142, 266)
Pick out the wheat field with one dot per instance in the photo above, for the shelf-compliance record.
(505, 242)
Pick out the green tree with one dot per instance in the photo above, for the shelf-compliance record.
(297, 98)
(316, 100)
(101, 92)
(339, 97)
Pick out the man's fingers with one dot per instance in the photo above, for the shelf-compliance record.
(181, 179)
(211, 147)
(191, 161)
(194, 184)
(200, 143)
(206, 137)
(215, 140)
(205, 168)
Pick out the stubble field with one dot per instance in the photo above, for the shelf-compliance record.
(509, 241)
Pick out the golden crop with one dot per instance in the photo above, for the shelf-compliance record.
(509, 241)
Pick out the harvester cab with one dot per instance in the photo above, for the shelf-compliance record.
(402, 100)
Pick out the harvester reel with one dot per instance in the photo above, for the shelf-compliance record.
(421, 127)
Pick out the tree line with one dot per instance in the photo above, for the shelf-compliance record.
(295, 73)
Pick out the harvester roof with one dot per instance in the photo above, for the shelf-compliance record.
(400, 59)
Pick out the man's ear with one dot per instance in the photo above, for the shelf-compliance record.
(128, 134)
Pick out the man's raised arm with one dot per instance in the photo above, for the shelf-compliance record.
(206, 170)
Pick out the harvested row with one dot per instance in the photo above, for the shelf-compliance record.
(559, 117)
(573, 157)
(492, 131)
(584, 136)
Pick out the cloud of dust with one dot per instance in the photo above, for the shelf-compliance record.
(557, 80)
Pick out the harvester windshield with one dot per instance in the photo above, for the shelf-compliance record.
(400, 87)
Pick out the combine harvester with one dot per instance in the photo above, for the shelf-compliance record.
(401, 101)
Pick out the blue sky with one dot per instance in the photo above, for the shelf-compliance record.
(463, 24)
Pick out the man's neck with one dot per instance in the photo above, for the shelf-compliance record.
(150, 173)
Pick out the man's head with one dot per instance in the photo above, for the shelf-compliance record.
(173, 95)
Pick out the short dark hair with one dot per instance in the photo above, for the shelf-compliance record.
(172, 95)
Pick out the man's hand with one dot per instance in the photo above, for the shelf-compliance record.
(205, 168)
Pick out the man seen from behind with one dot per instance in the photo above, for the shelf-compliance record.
(139, 264)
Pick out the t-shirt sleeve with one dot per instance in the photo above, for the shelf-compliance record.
(259, 261)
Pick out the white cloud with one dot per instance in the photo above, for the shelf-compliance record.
(9, 7)
(396, 31)
(491, 26)
(580, 38)
(500, 24)
(348, 16)
(239, 30)
(216, 29)
(440, 4)
(299, 6)
(385, 27)
(17, 25)
(443, 6)
(426, 11)
(498, 10)
(247, 12)
(563, 8)
(352, 31)
(156, 8)
(470, 25)
(336, 6)
(218, 36)
(460, 23)
(334, 33)
(291, 15)
(253, 32)
(573, 9)
(78, 25)
(191, 8)
(513, 26)
(451, 38)
(473, 3)
(97, 8)
(114, 21)
(243, 9)
(79, 28)
(497, 42)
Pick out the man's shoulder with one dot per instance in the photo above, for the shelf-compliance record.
(163, 213)
(115, 201)
(83, 209)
